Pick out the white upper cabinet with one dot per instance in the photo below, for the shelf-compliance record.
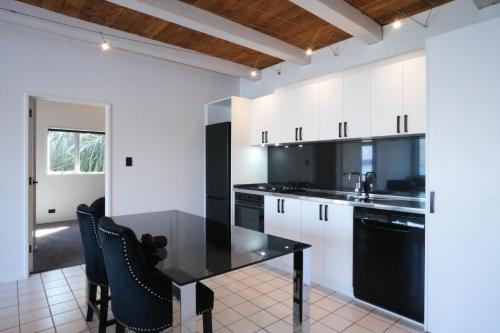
(266, 120)
(387, 99)
(399, 98)
(331, 109)
(300, 113)
(414, 95)
(356, 105)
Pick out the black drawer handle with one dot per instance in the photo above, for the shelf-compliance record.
(321, 212)
(278, 205)
(326, 213)
(282, 206)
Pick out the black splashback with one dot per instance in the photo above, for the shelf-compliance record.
(398, 162)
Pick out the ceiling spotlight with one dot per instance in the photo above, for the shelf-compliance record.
(276, 144)
(262, 145)
(396, 24)
(309, 51)
(253, 73)
(105, 46)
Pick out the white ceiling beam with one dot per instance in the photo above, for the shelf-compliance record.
(117, 39)
(206, 22)
(345, 17)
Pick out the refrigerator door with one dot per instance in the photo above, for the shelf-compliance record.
(218, 174)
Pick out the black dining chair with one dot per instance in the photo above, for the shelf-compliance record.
(95, 269)
(142, 295)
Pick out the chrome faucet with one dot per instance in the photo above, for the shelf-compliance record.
(358, 186)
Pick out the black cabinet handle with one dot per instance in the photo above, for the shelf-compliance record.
(300, 133)
(406, 123)
(345, 129)
(262, 140)
(432, 208)
(265, 137)
(398, 119)
(296, 134)
(326, 212)
(321, 212)
(340, 130)
(278, 205)
(282, 206)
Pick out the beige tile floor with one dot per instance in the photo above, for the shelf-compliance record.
(253, 299)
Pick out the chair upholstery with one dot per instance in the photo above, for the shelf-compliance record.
(99, 206)
(142, 295)
(204, 298)
(95, 269)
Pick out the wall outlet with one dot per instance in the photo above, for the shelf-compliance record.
(128, 161)
(52, 211)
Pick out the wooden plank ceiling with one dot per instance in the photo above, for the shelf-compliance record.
(278, 18)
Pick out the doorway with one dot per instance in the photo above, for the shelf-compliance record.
(68, 164)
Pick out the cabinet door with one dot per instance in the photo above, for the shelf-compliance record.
(357, 105)
(414, 95)
(300, 108)
(312, 233)
(290, 223)
(258, 114)
(271, 216)
(266, 118)
(331, 108)
(387, 99)
(338, 248)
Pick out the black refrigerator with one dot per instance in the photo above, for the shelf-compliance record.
(218, 173)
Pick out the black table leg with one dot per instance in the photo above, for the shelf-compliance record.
(301, 285)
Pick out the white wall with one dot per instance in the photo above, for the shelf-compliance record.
(64, 192)
(462, 236)
(410, 37)
(157, 118)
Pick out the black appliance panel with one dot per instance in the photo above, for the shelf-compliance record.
(388, 260)
(249, 211)
(218, 172)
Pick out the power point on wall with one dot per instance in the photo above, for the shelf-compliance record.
(128, 161)
(52, 211)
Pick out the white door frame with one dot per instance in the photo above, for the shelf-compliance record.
(107, 159)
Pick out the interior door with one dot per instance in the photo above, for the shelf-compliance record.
(313, 221)
(357, 105)
(31, 180)
(331, 108)
(414, 95)
(387, 99)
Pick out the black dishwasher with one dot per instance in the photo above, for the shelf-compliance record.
(388, 260)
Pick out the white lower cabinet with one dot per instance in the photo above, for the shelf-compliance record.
(282, 219)
(338, 249)
(328, 228)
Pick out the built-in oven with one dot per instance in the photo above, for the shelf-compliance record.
(249, 211)
(388, 260)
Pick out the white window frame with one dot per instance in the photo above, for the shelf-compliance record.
(76, 133)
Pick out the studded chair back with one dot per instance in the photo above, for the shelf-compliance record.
(88, 220)
(142, 296)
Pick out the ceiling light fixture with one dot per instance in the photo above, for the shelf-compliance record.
(309, 51)
(104, 44)
(396, 24)
(253, 73)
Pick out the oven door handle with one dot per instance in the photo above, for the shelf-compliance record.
(390, 227)
(249, 205)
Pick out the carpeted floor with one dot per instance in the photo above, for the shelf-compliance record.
(58, 246)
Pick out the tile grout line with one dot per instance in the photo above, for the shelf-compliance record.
(48, 305)
(76, 300)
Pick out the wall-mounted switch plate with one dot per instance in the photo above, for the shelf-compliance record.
(52, 211)
(128, 161)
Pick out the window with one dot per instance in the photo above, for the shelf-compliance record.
(75, 152)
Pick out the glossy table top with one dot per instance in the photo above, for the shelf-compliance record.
(199, 248)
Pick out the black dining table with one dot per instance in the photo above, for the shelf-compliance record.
(199, 248)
